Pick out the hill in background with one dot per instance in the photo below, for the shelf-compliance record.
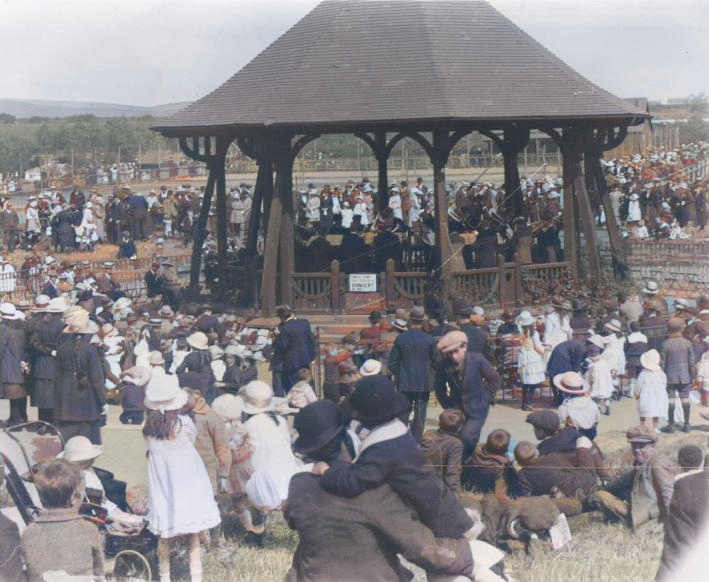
(27, 108)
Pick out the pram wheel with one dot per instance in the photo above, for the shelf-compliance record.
(130, 565)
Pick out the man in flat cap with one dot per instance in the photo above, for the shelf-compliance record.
(465, 381)
(642, 495)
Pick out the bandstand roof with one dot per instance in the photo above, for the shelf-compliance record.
(356, 64)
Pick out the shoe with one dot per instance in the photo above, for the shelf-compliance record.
(254, 539)
(669, 429)
(527, 407)
(686, 427)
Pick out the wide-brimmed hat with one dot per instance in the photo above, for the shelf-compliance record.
(651, 288)
(57, 305)
(42, 300)
(77, 321)
(156, 358)
(215, 352)
(317, 424)
(139, 375)
(400, 324)
(166, 311)
(597, 340)
(9, 311)
(370, 367)
(565, 305)
(79, 448)
(376, 401)
(614, 325)
(163, 392)
(680, 304)
(524, 319)
(570, 382)
(228, 406)
(547, 420)
(121, 303)
(258, 397)
(451, 340)
(198, 340)
(651, 360)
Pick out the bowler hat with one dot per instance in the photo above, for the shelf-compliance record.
(318, 424)
(376, 401)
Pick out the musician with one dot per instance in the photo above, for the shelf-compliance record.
(522, 241)
(548, 235)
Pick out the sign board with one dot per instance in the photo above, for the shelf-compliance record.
(363, 283)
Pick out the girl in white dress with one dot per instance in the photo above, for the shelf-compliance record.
(272, 458)
(598, 376)
(651, 390)
(181, 495)
(530, 365)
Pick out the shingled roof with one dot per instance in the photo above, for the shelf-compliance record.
(351, 62)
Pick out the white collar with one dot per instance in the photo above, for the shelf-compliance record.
(384, 432)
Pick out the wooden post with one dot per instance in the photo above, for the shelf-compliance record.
(335, 286)
(390, 283)
(196, 262)
(380, 152)
(270, 258)
(515, 140)
(439, 156)
(569, 212)
(284, 187)
(222, 225)
(263, 191)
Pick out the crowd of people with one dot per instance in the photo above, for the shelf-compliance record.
(357, 449)
(653, 199)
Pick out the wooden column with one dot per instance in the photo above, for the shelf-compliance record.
(222, 224)
(439, 156)
(569, 216)
(381, 152)
(270, 255)
(284, 187)
(262, 192)
(514, 141)
(196, 262)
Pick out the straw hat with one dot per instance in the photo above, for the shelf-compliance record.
(651, 288)
(57, 305)
(9, 311)
(122, 303)
(41, 301)
(228, 406)
(215, 352)
(614, 325)
(651, 360)
(258, 397)
(570, 382)
(79, 448)
(370, 367)
(77, 321)
(166, 311)
(400, 324)
(198, 340)
(156, 359)
(164, 393)
(524, 319)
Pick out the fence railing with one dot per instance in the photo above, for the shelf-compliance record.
(317, 291)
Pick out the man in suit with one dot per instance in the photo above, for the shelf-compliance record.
(678, 362)
(409, 361)
(293, 345)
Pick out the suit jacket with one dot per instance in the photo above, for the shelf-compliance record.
(686, 519)
(551, 470)
(444, 452)
(477, 340)
(382, 526)
(410, 360)
(466, 391)
(677, 360)
(295, 344)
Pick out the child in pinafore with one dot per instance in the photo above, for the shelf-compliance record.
(181, 495)
(651, 390)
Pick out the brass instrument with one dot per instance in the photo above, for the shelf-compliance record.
(544, 225)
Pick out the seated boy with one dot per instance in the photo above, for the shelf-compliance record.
(489, 470)
(390, 454)
(444, 449)
(60, 539)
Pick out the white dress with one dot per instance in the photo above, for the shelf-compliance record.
(530, 361)
(272, 459)
(181, 495)
(653, 400)
(599, 380)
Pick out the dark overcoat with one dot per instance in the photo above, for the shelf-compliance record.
(77, 359)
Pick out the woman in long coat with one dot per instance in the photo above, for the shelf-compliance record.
(81, 386)
(45, 342)
(14, 362)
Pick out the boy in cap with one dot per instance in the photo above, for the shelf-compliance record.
(389, 454)
(444, 449)
(678, 361)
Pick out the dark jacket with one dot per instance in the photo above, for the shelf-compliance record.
(295, 344)
(444, 452)
(489, 473)
(401, 464)
(410, 360)
(43, 341)
(677, 360)
(80, 391)
(13, 350)
(551, 470)
(473, 391)
(686, 521)
(351, 540)
(568, 356)
(477, 340)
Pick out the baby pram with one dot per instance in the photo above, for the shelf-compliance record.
(128, 557)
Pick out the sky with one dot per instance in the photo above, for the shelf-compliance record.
(153, 52)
